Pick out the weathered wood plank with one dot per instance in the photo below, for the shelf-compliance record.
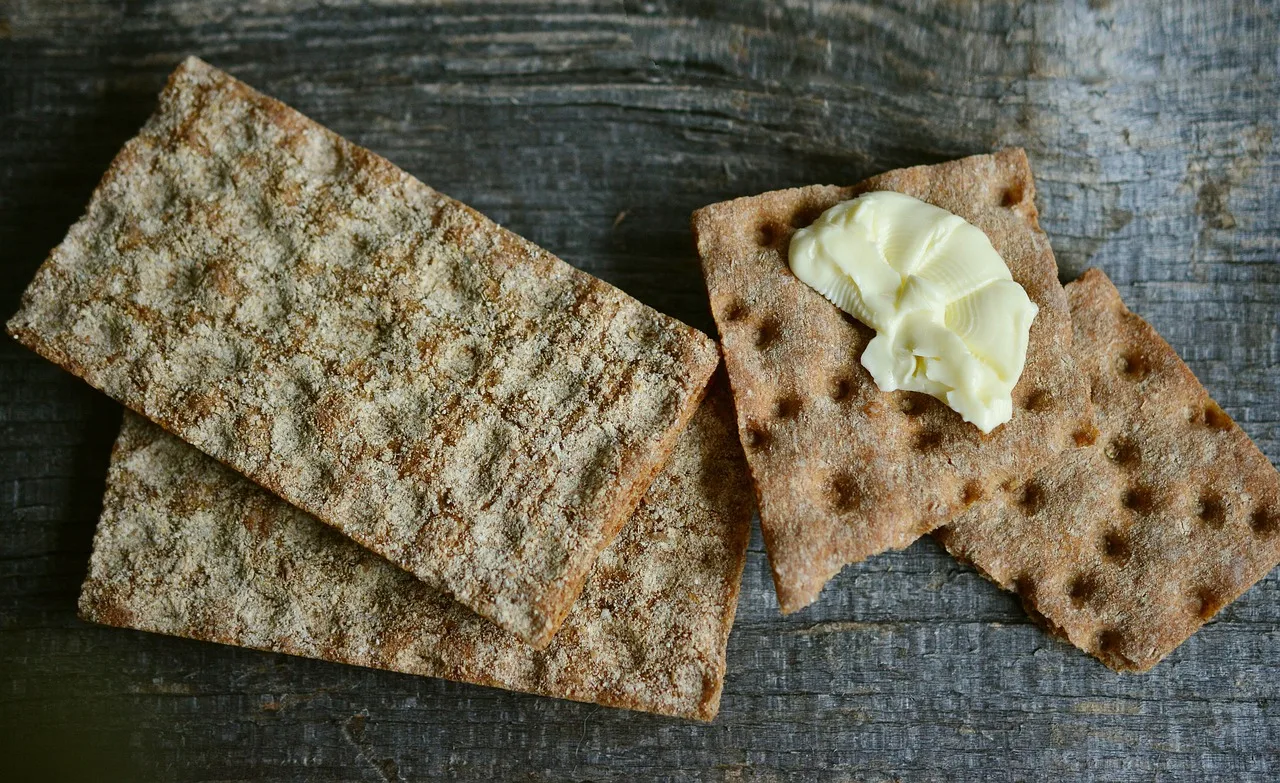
(594, 128)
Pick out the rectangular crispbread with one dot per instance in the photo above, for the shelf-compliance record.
(190, 548)
(842, 470)
(442, 391)
(1127, 547)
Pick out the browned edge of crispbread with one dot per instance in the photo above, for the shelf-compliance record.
(722, 399)
(560, 601)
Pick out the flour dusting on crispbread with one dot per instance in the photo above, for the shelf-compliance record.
(444, 392)
(190, 548)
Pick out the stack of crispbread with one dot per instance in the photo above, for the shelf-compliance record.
(455, 401)
(1121, 503)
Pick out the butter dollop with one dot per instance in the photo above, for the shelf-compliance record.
(950, 321)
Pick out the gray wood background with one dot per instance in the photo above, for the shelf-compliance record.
(594, 128)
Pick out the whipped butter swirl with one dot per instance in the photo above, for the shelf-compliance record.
(950, 321)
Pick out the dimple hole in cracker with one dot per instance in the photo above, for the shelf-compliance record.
(1122, 451)
(1207, 602)
(1115, 547)
(972, 493)
(1134, 366)
(805, 217)
(1081, 590)
(1212, 416)
(1038, 401)
(1096, 388)
(787, 407)
(766, 333)
(928, 440)
(842, 492)
(839, 389)
(755, 437)
(1109, 642)
(1012, 196)
(1211, 510)
(1265, 521)
(734, 311)
(909, 405)
(1084, 436)
(767, 234)
(1138, 499)
(1031, 497)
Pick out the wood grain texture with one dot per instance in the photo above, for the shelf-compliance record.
(594, 129)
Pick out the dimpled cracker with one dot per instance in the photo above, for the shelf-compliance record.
(442, 391)
(190, 548)
(843, 471)
(1127, 547)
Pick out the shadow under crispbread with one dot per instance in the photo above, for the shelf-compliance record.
(1127, 547)
(842, 470)
(189, 548)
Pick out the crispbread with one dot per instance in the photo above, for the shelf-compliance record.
(444, 392)
(1127, 547)
(842, 470)
(190, 548)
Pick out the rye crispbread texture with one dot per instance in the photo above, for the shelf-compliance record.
(190, 548)
(843, 471)
(442, 391)
(1127, 547)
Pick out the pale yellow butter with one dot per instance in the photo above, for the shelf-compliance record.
(949, 319)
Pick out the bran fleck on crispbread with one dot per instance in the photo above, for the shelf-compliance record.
(190, 548)
(444, 392)
(842, 470)
(1127, 547)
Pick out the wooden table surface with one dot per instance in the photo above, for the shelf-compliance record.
(594, 128)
